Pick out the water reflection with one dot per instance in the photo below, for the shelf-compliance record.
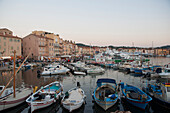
(97, 109)
(88, 84)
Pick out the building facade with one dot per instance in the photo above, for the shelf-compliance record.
(37, 46)
(9, 43)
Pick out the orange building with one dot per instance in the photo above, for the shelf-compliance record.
(9, 43)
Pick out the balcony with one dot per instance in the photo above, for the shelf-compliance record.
(42, 45)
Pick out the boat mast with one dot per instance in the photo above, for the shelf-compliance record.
(14, 76)
(152, 52)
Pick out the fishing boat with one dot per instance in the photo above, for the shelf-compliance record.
(55, 69)
(135, 96)
(105, 95)
(160, 94)
(6, 92)
(9, 101)
(79, 73)
(165, 74)
(94, 70)
(73, 99)
(138, 71)
(45, 96)
(11, 97)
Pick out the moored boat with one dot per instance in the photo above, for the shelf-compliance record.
(73, 99)
(45, 96)
(160, 94)
(105, 94)
(165, 74)
(55, 69)
(135, 96)
(9, 101)
(13, 97)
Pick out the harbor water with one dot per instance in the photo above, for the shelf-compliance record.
(29, 77)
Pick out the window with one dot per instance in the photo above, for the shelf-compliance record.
(0, 39)
(56, 40)
(15, 40)
(4, 49)
(10, 39)
(11, 47)
(4, 38)
(4, 43)
(0, 46)
(17, 48)
(40, 49)
(18, 40)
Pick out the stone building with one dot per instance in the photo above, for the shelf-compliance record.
(9, 43)
(37, 46)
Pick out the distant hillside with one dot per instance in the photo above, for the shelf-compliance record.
(165, 47)
(126, 47)
(80, 44)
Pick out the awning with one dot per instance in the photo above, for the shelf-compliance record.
(66, 56)
(8, 57)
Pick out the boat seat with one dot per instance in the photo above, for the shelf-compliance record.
(134, 95)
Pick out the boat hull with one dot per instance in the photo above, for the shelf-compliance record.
(105, 105)
(40, 105)
(60, 72)
(161, 103)
(141, 105)
(158, 101)
(71, 107)
(12, 102)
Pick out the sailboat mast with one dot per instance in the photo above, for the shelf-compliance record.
(14, 75)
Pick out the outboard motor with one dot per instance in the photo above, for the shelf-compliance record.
(158, 70)
(78, 84)
(38, 73)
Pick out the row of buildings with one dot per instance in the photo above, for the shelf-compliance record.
(45, 44)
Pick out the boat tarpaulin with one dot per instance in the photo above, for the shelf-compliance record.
(105, 80)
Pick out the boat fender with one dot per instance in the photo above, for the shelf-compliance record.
(57, 91)
(61, 89)
(47, 97)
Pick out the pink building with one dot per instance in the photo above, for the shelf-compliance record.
(9, 43)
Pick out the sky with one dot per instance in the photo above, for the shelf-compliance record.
(95, 22)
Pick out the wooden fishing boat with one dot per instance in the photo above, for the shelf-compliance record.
(165, 74)
(9, 102)
(105, 95)
(160, 94)
(73, 99)
(45, 96)
(11, 97)
(135, 96)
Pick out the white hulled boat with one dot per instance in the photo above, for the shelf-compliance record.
(45, 96)
(55, 69)
(73, 99)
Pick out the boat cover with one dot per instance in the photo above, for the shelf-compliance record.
(105, 80)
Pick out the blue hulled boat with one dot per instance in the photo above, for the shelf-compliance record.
(105, 94)
(160, 94)
(135, 96)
